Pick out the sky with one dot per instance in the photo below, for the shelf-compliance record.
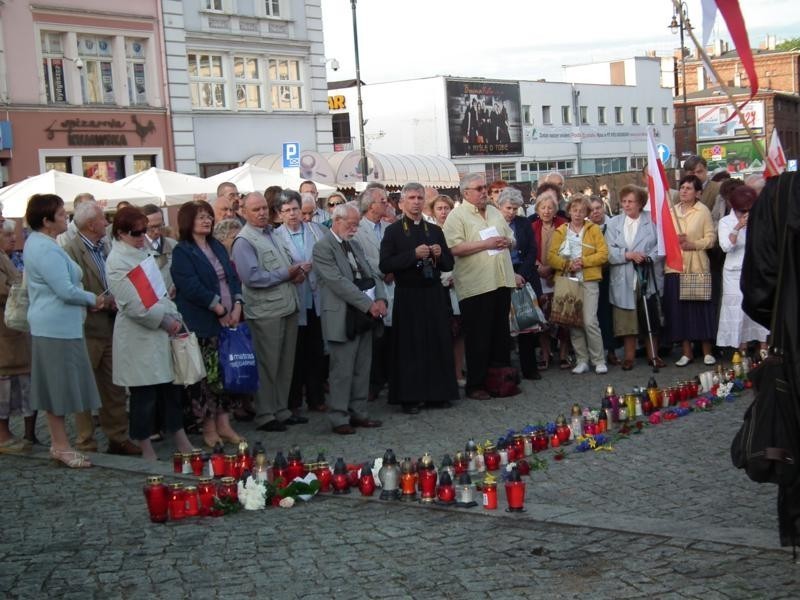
(517, 39)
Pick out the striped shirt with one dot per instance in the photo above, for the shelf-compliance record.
(98, 253)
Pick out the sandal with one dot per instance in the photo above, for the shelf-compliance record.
(70, 458)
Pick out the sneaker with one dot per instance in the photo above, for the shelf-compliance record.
(601, 369)
(581, 367)
(709, 359)
(683, 361)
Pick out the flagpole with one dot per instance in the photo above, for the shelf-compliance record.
(724, 88)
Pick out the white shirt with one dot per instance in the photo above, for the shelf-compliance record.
(630, 227)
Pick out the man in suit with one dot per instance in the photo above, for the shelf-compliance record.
(264, 264)
(373, 203)
(158, 245)
(88, 250)
(339, 260)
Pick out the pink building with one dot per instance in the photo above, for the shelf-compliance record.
(83, 84)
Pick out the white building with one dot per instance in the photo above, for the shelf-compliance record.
(596, 123)
(245, 76)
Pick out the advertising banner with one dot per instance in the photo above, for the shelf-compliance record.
(484, 118)
(711, 119)
(740, 155)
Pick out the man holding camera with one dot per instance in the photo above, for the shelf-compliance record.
(415, 252)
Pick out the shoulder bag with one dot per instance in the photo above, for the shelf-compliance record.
(16, 311)
(695, 286)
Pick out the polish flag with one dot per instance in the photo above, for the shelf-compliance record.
(148, 282)
(659, 206)
(776, 159)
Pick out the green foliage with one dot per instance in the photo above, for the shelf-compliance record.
(790, 44)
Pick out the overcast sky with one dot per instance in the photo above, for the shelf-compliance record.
(516, 39)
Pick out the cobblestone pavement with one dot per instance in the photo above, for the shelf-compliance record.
(663, 515)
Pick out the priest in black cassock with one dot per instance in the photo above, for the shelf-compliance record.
(415, 251)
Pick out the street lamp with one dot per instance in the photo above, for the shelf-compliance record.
(363, 159)
(680, 23)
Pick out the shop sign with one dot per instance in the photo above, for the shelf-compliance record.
(100, 132)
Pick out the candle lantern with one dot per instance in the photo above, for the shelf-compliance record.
(295, 466)
(519, 445)
(389, 476)
(511, 450)
(447, 465)
(445, 491)
(229, 466)
(630, 405)
(694, 387)
(655, 396)
(156, 495)
(465, 491)
(602, 421)
(515, 492)
(539, 440)
(366, 482)
(279, 467)
(260, 468)
(177, 502)
(408, 481)
(196, 462)
(216, 461)
(258, 448)
(489, 489)
(323, 473)
(206, 490)
(576, 426)
(562, 429)
(340, 480)
(460, 464)
(177, 462)
(555, 442)
(427, 479)
(228, 489)
(523, 466)
(186, 466)
(502, 449)
(192, 501)
(244, 456)
(491, 457)
(470, 452)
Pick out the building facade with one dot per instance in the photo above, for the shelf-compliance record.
(83, 87)
(245, 76)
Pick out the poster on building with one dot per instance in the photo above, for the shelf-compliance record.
(713, 123)
(484, 118)
(139, 84)
(108, 85)
(54, 67)
(739, 156)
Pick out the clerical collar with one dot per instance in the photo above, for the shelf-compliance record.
(417, 222)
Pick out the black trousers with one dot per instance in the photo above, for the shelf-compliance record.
(380, 368)
(147, 401)
(487, 339)
(309, 364)
(526, 346)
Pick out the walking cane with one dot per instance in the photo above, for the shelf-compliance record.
(643, 284)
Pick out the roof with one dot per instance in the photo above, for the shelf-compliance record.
(717, 93)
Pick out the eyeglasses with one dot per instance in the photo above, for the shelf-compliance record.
(137, 233)
(332, 204)
(480, 188)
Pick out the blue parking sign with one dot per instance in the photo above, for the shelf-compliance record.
(291, 155)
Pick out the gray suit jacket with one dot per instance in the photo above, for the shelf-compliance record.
(337, 289)
(622, 272)
(372, 250)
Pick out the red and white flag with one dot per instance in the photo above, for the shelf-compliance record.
(776, 159)
(659, 206)
(148, 282)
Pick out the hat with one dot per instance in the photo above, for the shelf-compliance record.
(742, 198)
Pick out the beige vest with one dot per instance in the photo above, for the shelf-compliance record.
(276, 301)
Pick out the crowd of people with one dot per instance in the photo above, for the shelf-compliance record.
(344, 298)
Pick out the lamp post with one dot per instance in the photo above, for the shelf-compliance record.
(680, 23)
(363, 159)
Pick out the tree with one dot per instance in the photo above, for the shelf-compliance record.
(790, 44)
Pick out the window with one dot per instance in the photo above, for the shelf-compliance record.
(142, 162)
(650, 116)
(272, 8)
(207, 81)
(546, 115)
(665, 115)
(618, 115)
(638, 163)
(341, 128)
(527, 115)
(584, 114)
(534, 171)
(566, 115)
(604, 165)
(504, 171)
(97, 80)
(53, 67)
(211, 169)
(634, 115)
(135, 60)
(287, 88)
(104, 168)
(58, 163)
(601, 115)
(215, 5)
(248, 82)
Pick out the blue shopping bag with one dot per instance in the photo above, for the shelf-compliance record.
(237, 361)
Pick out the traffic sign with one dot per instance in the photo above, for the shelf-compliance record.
(663, 153)
(291, 155)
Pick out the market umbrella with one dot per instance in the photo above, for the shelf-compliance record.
(172, 188)
(255, 179)
(15, 197)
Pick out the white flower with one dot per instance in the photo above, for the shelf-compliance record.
(287, 502)
(252, 494)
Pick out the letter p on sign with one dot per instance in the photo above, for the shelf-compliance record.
(291, 155)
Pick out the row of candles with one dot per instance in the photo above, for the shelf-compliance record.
(410, 480)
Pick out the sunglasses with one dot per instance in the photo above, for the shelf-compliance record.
(332, 204)
(137, 233)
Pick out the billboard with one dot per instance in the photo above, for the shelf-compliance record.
(711, 119)
(736, 156)
(483, 118)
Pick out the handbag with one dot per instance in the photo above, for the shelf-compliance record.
(16, 312)
(567, 307)
(695, 286)
(355, 321)
(525, 315)
(187, 359)
(502, 382)
(237, 360)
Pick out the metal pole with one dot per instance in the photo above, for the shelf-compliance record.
(363, 160)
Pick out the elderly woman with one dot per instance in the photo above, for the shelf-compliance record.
(309, 356)
(494, 190)
(15, 357)
(141, 348)
(632, 249)
(579, 249)
(597, 215)
(544, 226)
(735, 327)
(226, 231)
(62, 380)
(523, 259)
(689, 320)
(208, 295)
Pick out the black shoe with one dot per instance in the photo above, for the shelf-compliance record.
(273, 425)
(296, 420)
(411, 409)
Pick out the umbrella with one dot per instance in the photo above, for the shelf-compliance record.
(172, 188)
(15, 197)
(255, 179)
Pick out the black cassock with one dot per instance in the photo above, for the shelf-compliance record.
(421, 369)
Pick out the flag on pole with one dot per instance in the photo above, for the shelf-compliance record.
(148, 282)
(658, 189)
(732, 14)
(776, 159)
